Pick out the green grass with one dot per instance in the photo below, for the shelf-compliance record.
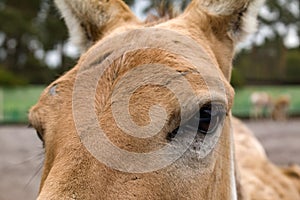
(242, 104)
(15, 102)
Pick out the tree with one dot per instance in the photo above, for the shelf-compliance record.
(269, 59)
(129, 2)
(29, 29)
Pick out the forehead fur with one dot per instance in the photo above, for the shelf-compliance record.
(175, 50)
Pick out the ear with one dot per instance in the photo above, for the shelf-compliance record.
(233, 18)
(221, 24)
(90, 20)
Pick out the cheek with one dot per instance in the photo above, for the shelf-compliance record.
(224, 148)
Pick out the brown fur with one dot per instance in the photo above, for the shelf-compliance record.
(71, 172)
(260, 178)
(281, 107)
(293, 173)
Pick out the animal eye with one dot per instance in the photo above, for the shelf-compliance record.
(206, 121)
(40, 136)
(210, 117)
(39, 133)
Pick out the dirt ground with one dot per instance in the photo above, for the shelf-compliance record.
(19, 163)
(21, 154)
(281, 140)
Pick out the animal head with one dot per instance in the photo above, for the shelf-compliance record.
(146, 111)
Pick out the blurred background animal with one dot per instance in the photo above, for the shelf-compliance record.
(261, 105)
(280, 109)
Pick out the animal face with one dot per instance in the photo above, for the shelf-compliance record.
(146, 111)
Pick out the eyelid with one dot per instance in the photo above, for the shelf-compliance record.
(39, 132)
(218, 107)
(40, 135)
(221, 109)
(37, 126)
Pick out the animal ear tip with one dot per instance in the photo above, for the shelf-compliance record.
(248, 24)
(243, 14)
(86, 19)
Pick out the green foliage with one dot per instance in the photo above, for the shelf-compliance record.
(9, 79)
(38, 21)
(17, 23)
(52, 29)
(271, 63)
(28, 27)
(129, 2)
(293, 66)
(237, 78)
(283, 12)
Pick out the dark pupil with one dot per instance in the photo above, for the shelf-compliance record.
(207, 121)
(210, 118)
(40, 136)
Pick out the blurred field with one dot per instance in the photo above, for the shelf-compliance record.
(15, 102)
(242, 104)
(20, 163)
